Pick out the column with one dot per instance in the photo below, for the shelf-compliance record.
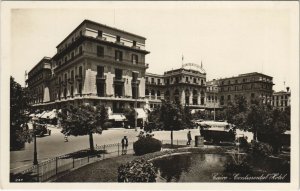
(183, 97)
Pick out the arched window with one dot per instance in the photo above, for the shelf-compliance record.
(147, 92)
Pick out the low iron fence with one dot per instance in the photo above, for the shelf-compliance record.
(46, 170)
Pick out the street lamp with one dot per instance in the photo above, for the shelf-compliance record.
(35, 161)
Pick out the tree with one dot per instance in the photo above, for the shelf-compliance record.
(130, 116)
(19, 104)
(83, 120)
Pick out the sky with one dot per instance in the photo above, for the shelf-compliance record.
(228, 38)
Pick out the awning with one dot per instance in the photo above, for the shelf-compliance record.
(213, 123)
(53, 114)
(47, 115)
(31, 115)
(141, 114)
(117, 117)
(40, 114)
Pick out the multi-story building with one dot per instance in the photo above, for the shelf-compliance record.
(212, 94)
(96, 64)
(250, 85)
(184, 86)
(282, 99)
(38, 81)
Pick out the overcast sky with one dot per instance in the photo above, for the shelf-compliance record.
(229, 39)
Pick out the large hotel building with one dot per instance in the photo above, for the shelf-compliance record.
(97, 64)
(94, 64)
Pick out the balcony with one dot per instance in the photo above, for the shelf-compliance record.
(136, 47)
(64, 83)
(101, 38)
(71, 80)
(78, 77)
(136, 82)
(118, 42)
(119, 80)
(100, 78)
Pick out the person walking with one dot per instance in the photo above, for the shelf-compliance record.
(189, 138)
(124, 143)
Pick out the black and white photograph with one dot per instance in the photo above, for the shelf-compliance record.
(150, 92)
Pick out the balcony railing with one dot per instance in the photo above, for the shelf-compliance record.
(100, 77)
(78, 77)
(71, 80)
(119, 79)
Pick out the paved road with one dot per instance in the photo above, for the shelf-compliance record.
(54, 145)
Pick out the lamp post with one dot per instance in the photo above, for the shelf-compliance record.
(35, 161)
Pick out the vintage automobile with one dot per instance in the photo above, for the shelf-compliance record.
(42, 130)
(217, 132)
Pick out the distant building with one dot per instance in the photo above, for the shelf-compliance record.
(38, 81)
(184, 86)
(94, 64)
(282, 99)
(213, 94)
(250, 85)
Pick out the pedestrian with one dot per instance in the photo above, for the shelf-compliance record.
(189, 138)
(66, 138)
(124, 143)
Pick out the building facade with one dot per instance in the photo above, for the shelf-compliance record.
(184, 86)
(250, 85)
(38, 81)
(282, 99)
(96, 64)
(212, 95)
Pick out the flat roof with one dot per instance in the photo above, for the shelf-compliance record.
(99, 24)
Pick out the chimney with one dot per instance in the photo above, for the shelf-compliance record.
(287, 89)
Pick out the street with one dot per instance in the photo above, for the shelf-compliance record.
(54, 145)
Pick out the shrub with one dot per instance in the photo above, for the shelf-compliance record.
(107, 125)
(138, 170)
(243, 143)
(146, 145)
(261, 149)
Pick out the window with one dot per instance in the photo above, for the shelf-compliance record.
(186, 79)
(100, 51)
(236, 81)
(168, 81)
(134, 43)
(195, 81)
(134, 58)
(72, 55)
(118, 55)
(228, 97)
(72, 74)
(118, 73)
(66, 77)
(158, 81)
(80, 71)
(134, 76)
(80, 49)
(146, 79)
(152, 80)
(252, 95)
(80, 33)
(100, 33)
(118, 39)
(100, 71)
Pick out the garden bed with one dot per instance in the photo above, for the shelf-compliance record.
(107, 169)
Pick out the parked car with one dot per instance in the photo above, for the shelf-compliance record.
(42, 130)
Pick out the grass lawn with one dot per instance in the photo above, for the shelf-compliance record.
(107, 169)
